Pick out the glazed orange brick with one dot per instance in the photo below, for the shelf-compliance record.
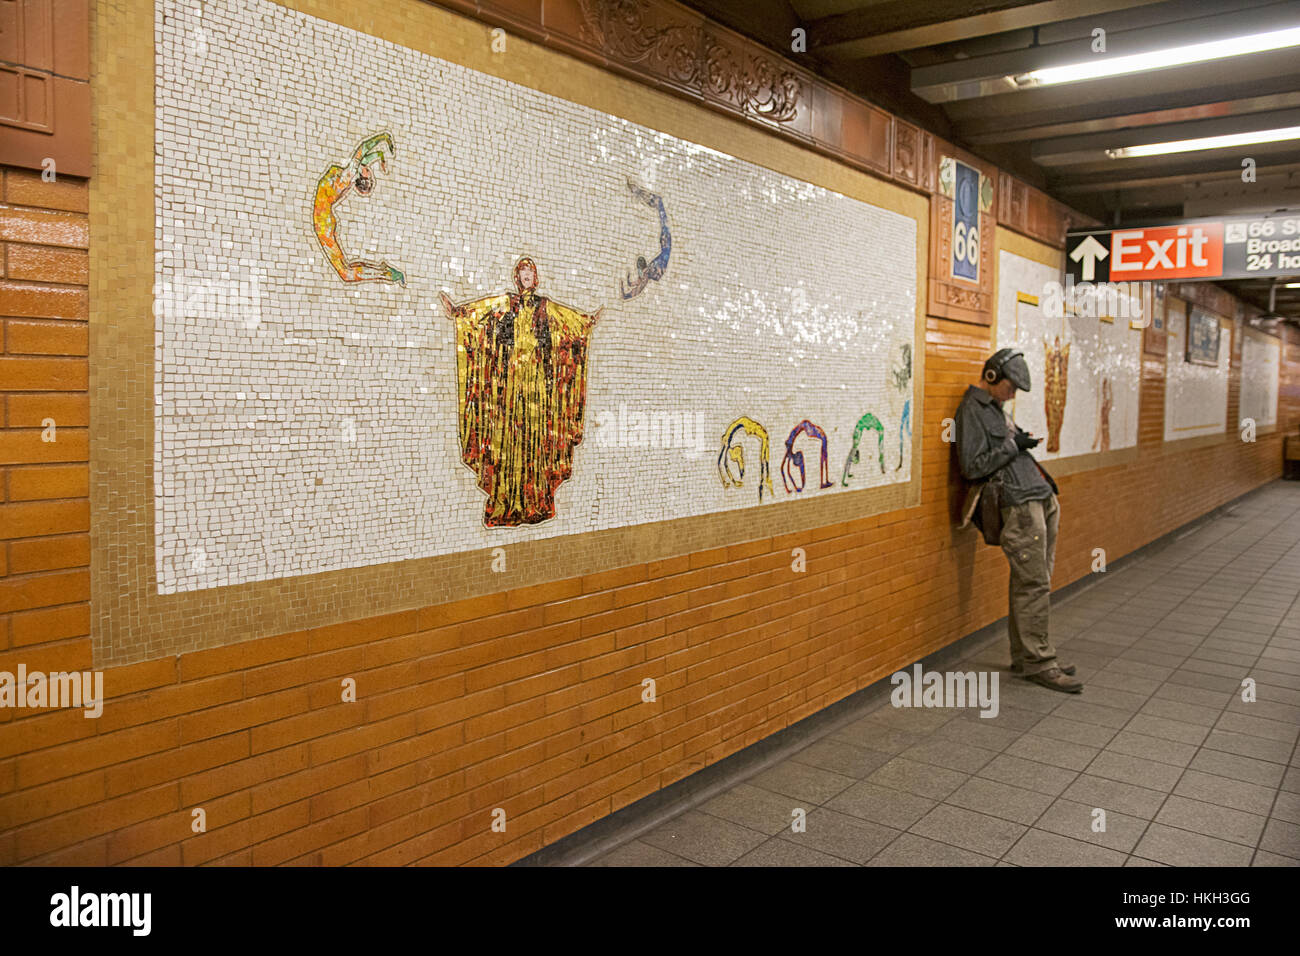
(69, 655)
(307, 783)
(228, 718)
(69, 410)
(102, 750)
(45, 337)
(25, 187)
(243, 774)
(47, 264)
(37, 301)
(176, 764)
(43, 446)
(149, 836)
(355, 740)
(31, 519)
(455, 612)
(23, 592)
(242, 655)
(302, 670)
(332, 802)
(352, 633)
(34, 803)
(85, 854)
(52, 624)
(58, 832)
(49, 554)
(546, 593)
(172, 700)
(310, 837)
(46, 227)
(164, 856)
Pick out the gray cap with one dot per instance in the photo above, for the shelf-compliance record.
(1009, 364)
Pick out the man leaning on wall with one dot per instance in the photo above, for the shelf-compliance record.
(994, 451)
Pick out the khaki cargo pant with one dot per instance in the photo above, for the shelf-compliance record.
(1029, 541)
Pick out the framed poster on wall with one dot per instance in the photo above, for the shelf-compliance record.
(1203, 333)
(1154, 338)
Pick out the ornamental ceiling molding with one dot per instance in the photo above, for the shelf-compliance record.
(693, 56)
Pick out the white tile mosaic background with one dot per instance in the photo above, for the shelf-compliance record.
(306, 425)
(1196, 396)
(1098, 350)
(1260, 369)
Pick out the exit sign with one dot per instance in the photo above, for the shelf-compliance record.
(1229, 248)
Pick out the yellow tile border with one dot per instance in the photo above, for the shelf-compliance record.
(130, 621)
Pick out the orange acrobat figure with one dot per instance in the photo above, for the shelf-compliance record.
(337, 182)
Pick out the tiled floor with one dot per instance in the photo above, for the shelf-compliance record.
(1187, 772)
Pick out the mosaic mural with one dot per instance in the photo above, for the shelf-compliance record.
(1260, 374)
(1085, 368)
(1196, 395)
(425, 368)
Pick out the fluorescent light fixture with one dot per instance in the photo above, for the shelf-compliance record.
(1101, 66)
(1206, 142)
(1292, 285)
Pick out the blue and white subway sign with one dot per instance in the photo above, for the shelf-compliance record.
(966, 223)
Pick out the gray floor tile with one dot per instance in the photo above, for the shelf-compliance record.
(1074, 731)
(953, 754)
(1126, 798)
(1089, 713)
(637, 853)
(979, 733)
(1127, 769)
(704, 839)
(913, 850)
(753, 808)
(872, 735)
(1109, 677)
(1236, 826)
(1226, 792)
(1214, 699)
(1182, 711)
(1282, 838)
(1138, 861)
(1016, 719)
(883, 805)
(1286, 714)
(1259, 727)
(925, 780)
(839, 756)
(1164, 727)
(1286, 807)
(1041, 848)
(1264, 858)
(1028, 774)
(968, 829)
(912, 720)
(1056, 753)
(1000, 800)
(1078, 820)
(1261, 748)
(841, 835)
(1152, 748)
(779, 852)
(1183, 848)
(1238, 768)
(801, 782)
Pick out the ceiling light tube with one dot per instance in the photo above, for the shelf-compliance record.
(1100, 67)
(1206, 142)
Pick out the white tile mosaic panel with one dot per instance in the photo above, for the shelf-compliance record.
(306, 424)
(1196, 396)
(1260, 367)
(1103, 367)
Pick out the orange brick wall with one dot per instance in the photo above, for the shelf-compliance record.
(527, 700)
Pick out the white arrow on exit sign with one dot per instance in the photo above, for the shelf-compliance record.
(1089, 251)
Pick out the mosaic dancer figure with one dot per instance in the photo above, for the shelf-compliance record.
(1101, 441)
(867, 422)
(794, 459)
(1056, 380)
(333, 188)
(652, 271)
(736, 453)
(902, 379)
(521, 371)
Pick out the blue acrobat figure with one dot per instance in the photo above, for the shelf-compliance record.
(655, 268)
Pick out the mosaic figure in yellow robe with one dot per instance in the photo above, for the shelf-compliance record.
(736, 453)
(521, 372)
(1056, 380)
(335, 185)
(1101, 440)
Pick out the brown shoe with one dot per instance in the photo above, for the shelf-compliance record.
(1056, 680)
(1018, 668)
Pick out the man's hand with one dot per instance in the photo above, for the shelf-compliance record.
(1026, 441)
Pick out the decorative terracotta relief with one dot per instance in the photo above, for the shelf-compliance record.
(962, 228)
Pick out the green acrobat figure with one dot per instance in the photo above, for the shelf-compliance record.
(867, 422)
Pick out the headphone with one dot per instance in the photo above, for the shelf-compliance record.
(993, 373)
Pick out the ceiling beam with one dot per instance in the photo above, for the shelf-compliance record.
(907, 24)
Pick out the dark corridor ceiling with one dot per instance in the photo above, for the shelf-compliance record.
(945, 65)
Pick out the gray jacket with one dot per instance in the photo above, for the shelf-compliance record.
(986, 446)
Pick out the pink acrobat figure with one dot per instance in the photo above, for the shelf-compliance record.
(334, 185)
